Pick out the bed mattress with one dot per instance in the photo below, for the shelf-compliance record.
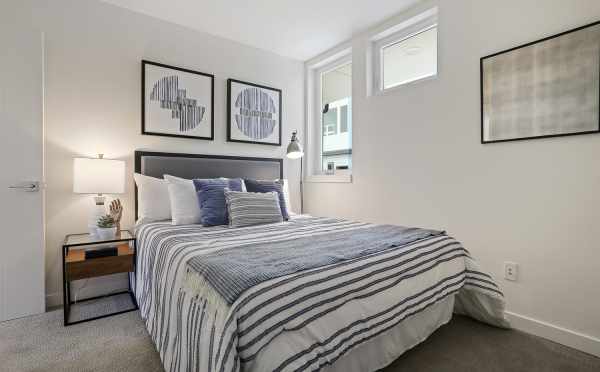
(349, 314)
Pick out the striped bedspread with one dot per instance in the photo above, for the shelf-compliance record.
(228, 273)
(304, 320)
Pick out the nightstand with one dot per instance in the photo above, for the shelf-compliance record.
(76, 266)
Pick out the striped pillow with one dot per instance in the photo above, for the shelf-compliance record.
(252, 208)
(268, 186)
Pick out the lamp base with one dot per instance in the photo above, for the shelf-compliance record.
(98, 210)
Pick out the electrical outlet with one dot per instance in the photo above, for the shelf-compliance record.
(511, 271)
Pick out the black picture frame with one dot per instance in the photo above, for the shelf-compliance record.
(144, 128)
(229, 114)
(481, 80)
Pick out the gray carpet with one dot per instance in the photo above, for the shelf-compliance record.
(106, 305)
(121, 343)
(41, 343)
(467, 345)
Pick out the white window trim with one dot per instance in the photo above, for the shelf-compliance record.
(386, 39)
(313, 144)
(329, 178)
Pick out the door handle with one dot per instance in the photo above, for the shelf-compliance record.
(27, 186)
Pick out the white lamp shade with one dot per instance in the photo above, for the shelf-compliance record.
(295, 155)
(98, 176)
(294, 149)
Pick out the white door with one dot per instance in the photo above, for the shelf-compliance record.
(21, 168)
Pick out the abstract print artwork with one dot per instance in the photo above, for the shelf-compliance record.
(546, 88)
(166, 91)
(177, 102)
(254, 113)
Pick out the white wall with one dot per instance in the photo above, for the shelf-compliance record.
(93, 57)
(417, 160)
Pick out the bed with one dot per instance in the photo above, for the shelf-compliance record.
(312, 293)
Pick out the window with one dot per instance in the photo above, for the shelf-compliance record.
(337, 144)
(336, 132)
(406, 52)
(328, 138)
(410, 59)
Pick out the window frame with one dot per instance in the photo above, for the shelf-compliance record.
(405, 33)
(314, 141)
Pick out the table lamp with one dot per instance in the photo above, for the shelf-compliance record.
(98, 176)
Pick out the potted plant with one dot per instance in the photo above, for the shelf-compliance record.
(107, 228)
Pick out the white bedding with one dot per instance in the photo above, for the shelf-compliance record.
(355, 330)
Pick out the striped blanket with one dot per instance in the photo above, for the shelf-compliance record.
(230, 272)
(304, 320)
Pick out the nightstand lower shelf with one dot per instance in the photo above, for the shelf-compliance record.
(99, 307)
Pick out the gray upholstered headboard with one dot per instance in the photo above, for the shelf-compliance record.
(157, 164)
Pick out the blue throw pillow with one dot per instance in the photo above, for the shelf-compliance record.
(211, 196)
(269, 186)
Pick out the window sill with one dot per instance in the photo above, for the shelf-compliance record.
(333, 178)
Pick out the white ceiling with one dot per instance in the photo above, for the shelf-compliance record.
(300, 29)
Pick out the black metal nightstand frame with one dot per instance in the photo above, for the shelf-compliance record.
(67, 281)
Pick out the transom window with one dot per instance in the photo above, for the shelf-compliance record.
(410, 59)
(407, 52)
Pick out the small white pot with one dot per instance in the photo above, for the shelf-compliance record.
(106, 233)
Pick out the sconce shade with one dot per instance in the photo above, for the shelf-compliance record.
(294, 149)
(98, 176)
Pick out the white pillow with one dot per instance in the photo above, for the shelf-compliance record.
(153, 199)
(185, 208)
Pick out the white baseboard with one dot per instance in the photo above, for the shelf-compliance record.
(53, 299)
(567, 337)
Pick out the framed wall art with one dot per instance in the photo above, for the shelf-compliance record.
(177, 102)
(546, 88)
(253, 113)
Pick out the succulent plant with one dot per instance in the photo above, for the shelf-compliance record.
(106, 222)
